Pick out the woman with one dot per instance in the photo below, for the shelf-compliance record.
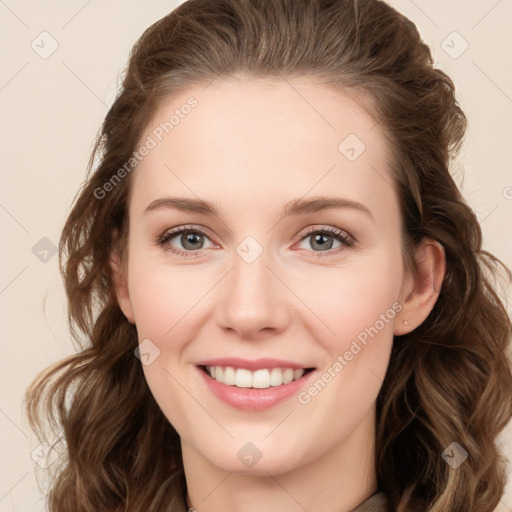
(285, 294)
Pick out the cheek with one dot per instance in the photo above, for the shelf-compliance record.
(357, 310)
(163, 300)
(347, 302)
(161, 296)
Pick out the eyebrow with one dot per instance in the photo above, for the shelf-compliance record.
(295, 207)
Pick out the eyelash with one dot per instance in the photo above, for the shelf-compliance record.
(346, 240)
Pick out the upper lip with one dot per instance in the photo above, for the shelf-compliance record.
(254, 364)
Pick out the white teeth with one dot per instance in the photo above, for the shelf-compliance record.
(276, 377)
(260, 379)
(288, 375)
(229, 376)
(243, 378)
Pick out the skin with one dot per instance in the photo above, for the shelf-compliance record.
(250, 146)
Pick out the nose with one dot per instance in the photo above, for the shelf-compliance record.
(253, 302)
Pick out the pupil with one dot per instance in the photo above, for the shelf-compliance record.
(319, 238)
(191, 238)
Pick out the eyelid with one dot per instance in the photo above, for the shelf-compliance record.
(186, 227)
(341, 235)
(346, 239)
(204, 230)
(326, 229)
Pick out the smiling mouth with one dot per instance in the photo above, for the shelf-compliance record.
(259, 379)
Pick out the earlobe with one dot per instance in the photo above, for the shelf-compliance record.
(420, 292)
(121, 286)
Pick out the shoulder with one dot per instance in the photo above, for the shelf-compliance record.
(375, 503)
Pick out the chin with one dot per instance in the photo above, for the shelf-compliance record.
(252, 458)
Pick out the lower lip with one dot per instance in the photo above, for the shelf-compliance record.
(253, 399)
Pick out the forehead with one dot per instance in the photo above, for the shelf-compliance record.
(242, 137)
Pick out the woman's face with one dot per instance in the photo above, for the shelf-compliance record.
(279, 279)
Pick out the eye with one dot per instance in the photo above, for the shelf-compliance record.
(190, 239)
(322, 239)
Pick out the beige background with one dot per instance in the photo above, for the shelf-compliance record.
(52, 108)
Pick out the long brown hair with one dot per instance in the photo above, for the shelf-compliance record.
(448, 380)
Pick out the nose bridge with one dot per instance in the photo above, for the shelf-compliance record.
(253, 298)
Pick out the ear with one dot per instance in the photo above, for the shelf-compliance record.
(420, 290)
(121, 286)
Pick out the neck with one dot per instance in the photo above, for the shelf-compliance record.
(339, 479)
